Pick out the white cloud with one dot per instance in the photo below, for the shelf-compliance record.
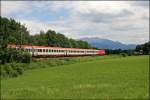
(10, 7)
(125, 21)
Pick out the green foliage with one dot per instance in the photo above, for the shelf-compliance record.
(144, 47)
(11, 70)
(26, 58)
(12, 32)
(51, 38)
(13, 55)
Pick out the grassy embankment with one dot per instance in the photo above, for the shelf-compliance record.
(107, 77)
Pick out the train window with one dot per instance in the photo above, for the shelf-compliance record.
(49, 50)
(43, 50)
(27, 50)
(54, 50)
(46, 50)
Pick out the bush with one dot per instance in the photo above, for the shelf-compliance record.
(17, 67)
(26, 58)
(13, 55)
(11, 70)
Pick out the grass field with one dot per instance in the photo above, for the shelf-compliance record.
(113, 78)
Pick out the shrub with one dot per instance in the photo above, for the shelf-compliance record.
(11, 70)
(13, 55)
(17, 67)
(26, 58)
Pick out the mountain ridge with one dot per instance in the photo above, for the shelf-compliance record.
(107, 44)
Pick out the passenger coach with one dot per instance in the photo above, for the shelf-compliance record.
(57, 51)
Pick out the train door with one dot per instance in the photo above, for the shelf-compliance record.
(66, 52)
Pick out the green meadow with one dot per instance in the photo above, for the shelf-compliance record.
(104, 77)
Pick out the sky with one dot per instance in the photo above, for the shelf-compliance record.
(123, 21)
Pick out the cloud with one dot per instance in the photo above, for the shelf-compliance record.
(10, 7)
(141, 3)
(124, 21)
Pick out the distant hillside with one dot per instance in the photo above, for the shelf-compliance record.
(108, 44)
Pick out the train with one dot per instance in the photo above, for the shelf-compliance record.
(48, 51)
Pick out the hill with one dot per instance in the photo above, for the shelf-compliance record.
(108, 44)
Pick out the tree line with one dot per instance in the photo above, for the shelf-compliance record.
(143, 48)
(13, 32)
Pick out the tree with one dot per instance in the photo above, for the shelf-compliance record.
(144, 47)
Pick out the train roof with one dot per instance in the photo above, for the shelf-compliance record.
(46, 47)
